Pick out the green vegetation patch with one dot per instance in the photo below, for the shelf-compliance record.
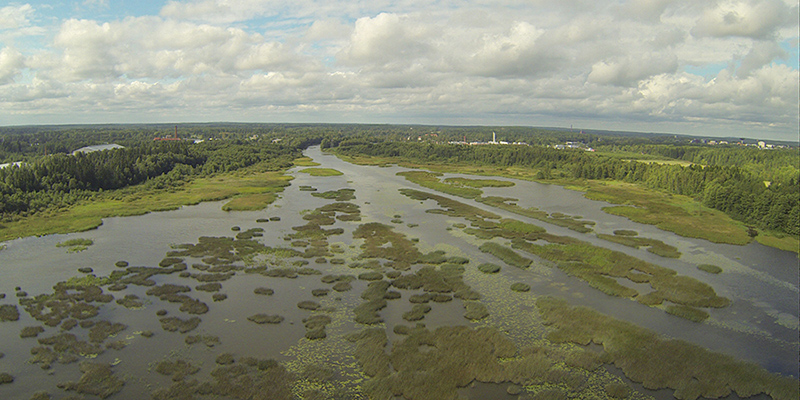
(520, 287)
(265, 319)
(508, 256)
(654, 246)
(431, 180)
(489, 268)
(674, 213)
(509, 204)
(381, 241)
(305, 162)
(711, 269)
(656, 362)
(9, 312)
(337, 195)
(76, 245)
(321, 171)
(478, 183)
(175, 324)
(98, 380)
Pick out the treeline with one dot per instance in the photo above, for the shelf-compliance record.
(733, 189)
(60, 180)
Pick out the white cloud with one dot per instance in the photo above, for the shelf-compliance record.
(631, 69)
(13, 17)
(513, 61)
(758, 19)
(11, 64)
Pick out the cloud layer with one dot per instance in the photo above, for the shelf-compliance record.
(725, 67)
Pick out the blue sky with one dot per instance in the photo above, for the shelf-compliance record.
(711, 68)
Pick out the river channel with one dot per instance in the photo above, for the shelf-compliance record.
(760, 325)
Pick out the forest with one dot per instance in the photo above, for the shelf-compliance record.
(758, 187)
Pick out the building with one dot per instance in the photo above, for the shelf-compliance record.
(99, 147)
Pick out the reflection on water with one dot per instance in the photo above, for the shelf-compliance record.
(759, 326)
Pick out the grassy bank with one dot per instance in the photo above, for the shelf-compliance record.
(679, 214)
(249, 191)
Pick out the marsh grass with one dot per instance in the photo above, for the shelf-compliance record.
(305, 162)
(489, 268)
(686, 312)
(175, 324)
(509, 204)
(9, 312)
(508, 256)
(345, 194)
(97, 379)
(76, 245)
(656, 362)
(321, 171)
(138, 200)
(711, 269)
(265, 319)
(520, 287)
(654, 246)
(431, 180)
(675, 213)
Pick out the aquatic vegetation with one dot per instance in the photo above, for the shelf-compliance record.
(209, 287)
(320, 292)
(657, 362)
(173, 324)
(478, 183)
(711, 269)
(342, 286)
(265, 319)
(97, 379)
(489, 268)
(417, 312)
(520, 287)
(508, 256)
(308, 305)
(337, 195)
(370, 276)
(208, 340)
(76, 245)
(30, 331)
(6, 378)
(617, 390)
(509, 204)
(219, 297)
(380, 241)
(9, 312)
(654, 246)
(263, 291)
(431, 180)
(321, 171)
(178, 369)
(315, 326)
(475, 311)
(102, 330)
(450, 207)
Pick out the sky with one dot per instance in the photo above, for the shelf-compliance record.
(697, 67)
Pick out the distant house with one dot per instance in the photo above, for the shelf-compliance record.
(18, 163)
(99, 147)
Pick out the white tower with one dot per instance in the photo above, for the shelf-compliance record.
(494, 137)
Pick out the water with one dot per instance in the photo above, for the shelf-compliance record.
(760, 326)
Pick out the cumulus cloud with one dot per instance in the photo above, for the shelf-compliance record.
(12, 17)
(513, 61)
(630, 70)
(757, 19)
(11, 63)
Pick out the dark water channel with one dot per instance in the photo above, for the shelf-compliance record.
(761, 324)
